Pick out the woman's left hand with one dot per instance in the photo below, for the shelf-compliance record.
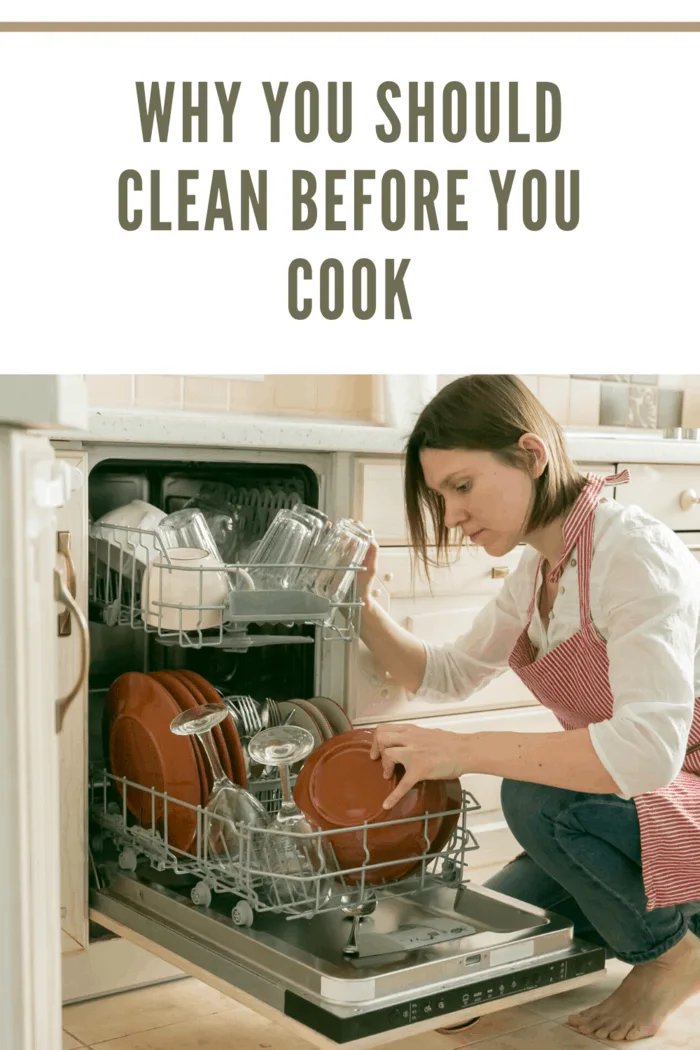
(425, 754)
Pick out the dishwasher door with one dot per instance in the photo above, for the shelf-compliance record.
(492, 952)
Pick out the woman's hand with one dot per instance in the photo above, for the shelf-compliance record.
(425, 754)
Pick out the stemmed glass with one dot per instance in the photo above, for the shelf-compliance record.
(228, 805)
(293, 860)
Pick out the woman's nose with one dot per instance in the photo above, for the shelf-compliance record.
(454, 515)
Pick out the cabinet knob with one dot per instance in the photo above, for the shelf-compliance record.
(499, 572)
(688, 499)
(376, 592)
(388, 576)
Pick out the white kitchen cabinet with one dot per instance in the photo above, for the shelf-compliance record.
(71, 531)
(470, 571)
(669, 492)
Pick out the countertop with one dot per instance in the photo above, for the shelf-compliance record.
(135, 426)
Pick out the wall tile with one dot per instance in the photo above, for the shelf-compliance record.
(110, 390)
(553, 392)
(246, 397)
(584, 403)
(532, 383)
(614, 403)
(670, 382)
(159, 391)
(670, 408)
(206, 393)
(296, 394)
(344, 396)
(691, 401)
(642, 408)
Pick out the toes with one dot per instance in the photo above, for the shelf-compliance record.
(620, 1031)
(642, 1031)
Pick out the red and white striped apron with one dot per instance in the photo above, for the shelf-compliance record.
(572, 681)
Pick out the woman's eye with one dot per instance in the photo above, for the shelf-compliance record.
(464, 487)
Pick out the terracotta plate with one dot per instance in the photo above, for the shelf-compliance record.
(301, 718)
(185, 701)
(227, 727)
(340, 723)
(324, 726)
(142, 749)
(341, 786)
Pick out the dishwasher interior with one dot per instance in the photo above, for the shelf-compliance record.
(431, 946)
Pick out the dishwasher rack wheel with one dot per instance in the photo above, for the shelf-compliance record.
(201, 894)
(242, 914)
(451, 872)
(128, 859)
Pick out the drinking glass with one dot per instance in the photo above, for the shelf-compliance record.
(342, 548)
(302, 858)
(224, 516)
(287, 540)
(321, 525)
(187, 528)
(228, 805)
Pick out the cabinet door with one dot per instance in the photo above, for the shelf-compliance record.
(660, 489)
(71, 524)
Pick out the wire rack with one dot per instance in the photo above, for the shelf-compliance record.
(130, 585)
(272, 870)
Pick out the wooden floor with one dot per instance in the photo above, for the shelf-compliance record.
(188, 1015)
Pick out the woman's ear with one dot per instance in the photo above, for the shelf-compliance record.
(539, 456)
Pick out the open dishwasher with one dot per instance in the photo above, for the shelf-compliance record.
(430, 950)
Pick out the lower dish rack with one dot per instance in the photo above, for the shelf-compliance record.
(274, 870)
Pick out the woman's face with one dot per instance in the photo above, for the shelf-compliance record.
(489, 500)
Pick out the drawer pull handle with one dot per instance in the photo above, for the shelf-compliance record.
(499, 572)
(62, 594)
(688, 499)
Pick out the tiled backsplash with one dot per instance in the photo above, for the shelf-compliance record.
(654, 402)
(348, 397)
(574, 400)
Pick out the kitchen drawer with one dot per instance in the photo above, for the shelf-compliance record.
(471, 572)
(379, 497)
(658, 490)
(379, 501)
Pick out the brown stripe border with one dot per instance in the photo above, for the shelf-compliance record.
(349, 27)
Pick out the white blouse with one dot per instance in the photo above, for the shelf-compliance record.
(645, 602)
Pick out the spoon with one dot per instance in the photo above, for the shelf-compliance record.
(356, 910)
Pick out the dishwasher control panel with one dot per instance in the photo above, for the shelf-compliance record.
(584, 959)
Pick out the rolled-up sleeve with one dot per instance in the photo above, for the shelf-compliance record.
(456, 670)
(651, 596)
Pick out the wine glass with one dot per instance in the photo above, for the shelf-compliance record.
(228, 805)
(301, 855)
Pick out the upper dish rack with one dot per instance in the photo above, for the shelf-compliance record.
(134, 582)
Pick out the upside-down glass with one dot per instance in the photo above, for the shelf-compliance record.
(187, 528)
(342, 548)
(287, 541)
(294, 863)
(228, 805)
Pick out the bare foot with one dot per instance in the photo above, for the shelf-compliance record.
(648, 994)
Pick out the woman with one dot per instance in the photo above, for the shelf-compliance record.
(601, 620)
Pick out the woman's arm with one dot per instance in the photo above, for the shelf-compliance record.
(564, 760)
(455, 670)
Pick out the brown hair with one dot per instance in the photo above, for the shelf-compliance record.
(489, 413)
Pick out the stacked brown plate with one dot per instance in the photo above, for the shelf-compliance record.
(322, 717)
(137, 717)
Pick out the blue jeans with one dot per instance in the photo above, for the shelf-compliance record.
(583, 861)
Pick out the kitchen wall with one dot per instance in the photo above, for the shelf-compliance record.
(644, 401)
(342, 397)
(658, 401)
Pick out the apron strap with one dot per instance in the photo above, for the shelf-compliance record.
(575, 530)
(581, 512)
